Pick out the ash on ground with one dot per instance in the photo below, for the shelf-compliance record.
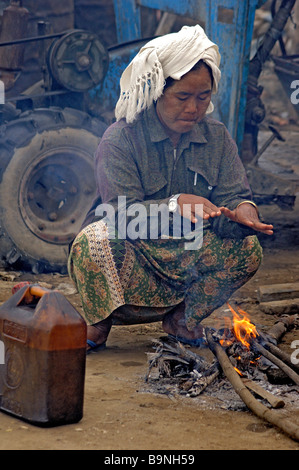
(180, 373)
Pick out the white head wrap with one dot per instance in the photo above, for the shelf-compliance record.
(172, 55)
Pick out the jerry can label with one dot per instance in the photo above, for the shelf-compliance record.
(15, 331)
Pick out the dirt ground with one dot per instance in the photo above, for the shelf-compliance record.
(121, 414)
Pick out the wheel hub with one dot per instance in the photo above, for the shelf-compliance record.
(55, 192)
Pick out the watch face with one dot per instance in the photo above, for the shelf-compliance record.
(172, 205)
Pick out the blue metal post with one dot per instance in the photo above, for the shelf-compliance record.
(128, 22)
(230, 26)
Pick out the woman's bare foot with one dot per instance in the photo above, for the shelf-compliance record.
(98, 333)
(175, 325)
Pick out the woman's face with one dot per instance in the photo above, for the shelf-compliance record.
(185, 102)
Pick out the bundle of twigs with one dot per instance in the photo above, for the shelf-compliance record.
(273, 353)
(172, 360)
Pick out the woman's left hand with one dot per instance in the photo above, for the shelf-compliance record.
(247, 214)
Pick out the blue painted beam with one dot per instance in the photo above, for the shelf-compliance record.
(128, 22)
(195, 9)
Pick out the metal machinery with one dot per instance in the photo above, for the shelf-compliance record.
(50, 131)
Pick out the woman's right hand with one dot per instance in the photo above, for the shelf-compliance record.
(192, 207)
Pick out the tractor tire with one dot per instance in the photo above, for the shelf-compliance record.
(47, 185)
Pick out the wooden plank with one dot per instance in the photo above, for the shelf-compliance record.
(280, 307)
(278, 292)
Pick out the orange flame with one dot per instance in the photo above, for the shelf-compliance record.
(239, 372)
(244, 330)
(225, 342)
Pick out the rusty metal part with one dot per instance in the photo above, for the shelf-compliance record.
(269, 188)
(14, 26)
(270, 38)
(78, 61)
(275, 135)
(15, 42)
(255, 111)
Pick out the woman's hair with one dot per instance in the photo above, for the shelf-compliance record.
(170, 81)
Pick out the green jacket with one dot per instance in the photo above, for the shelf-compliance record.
(139, 161)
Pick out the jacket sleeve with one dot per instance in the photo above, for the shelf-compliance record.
(122, 192)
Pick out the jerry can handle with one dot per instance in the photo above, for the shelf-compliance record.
(37, 291)
(32, 293)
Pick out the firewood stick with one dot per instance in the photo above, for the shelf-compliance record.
(271, 416)
(281, 355)
(276, 332)
(256, 388)
(199, 386)
(282, 326)
(284, 367)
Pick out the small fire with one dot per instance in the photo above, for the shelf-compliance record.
(239, 372)
(244, 330)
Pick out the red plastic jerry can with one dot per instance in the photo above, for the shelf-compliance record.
(44, 338)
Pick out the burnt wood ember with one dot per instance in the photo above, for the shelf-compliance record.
(172, 360)
(278, 362)
(276, 376)
(280, 372)
(244, 359)
(281, 355)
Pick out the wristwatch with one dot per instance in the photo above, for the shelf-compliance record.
(173, 203)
